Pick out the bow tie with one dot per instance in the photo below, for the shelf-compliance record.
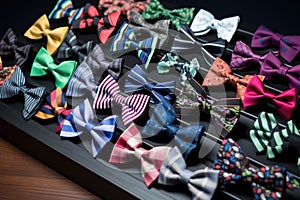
(33, 97)
(289, 46)
(178, 17)
(204, 21)
(284, 102)
(272, 67)
(55, 106)
(83, 119)
(43, 64)
(5, 72)
(108, 92)
(91, 18)
(65, 8)
(129, 147)
(266, 182)
(202, 183)
(125, 39)
(41, 28)
(137, 80)
(8, 47)
(71, 49)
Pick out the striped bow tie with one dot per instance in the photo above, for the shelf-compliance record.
(83, 119)
(128, 148)
(202, 183)
(8, 47)
(108, 92)
(41, 29)
(33, 97)
(55, 106)
(5, 72)
(267, 182)
(125, 39)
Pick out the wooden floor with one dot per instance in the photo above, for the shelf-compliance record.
(23, 177)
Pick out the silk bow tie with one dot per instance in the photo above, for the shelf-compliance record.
(71, 49)
(83, 119)
(129, 148)
(33, 97)
(125, 39)
(108, 92)
(289, 46)
(137, 80)
(266, 182)
(204, 21)
(178, 17)
(41, 28)
(273, 68)
(202, 183)
(8, 46)
(55, 106)
(5, 72)
(284, 102)
(44, 63)
(91, 18)
(65, 8)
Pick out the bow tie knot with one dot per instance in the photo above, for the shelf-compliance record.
(283, 70)
(90, 125)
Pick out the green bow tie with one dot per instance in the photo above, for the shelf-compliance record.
(43, 64)
(178, 17)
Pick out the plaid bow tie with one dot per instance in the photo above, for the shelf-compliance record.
(108, 92)
(129, 148)
(267, 182)
(55, 106)
(83, 119)
(5, 72)
(41, 28)
(202, 183)
(8, 47)
(33, 97)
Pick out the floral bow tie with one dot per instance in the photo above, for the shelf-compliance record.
(202, 183)
(44, 63)
(8, 47)
(128, 148)
(204, 21)
(33, 97)
(289, 46)
(267, 182)
(41, 28)
(5, 72)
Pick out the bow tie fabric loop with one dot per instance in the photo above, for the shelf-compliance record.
(33, 97)
(138, 19)
(44, 63)
(204, 21)
(41, 28)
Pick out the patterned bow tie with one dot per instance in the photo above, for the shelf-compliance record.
(129, 148)
(289, 46)
(9, 47)
(125, 39)
(137, 80)
(284, 102)
(41, 28)
(178, 17)
(44, 63)
(202, 183)
(55, 106)
(83, 119)
(204, 21)
(266, 182)
(71, 49)
(5, 72)
(91, 18)
(65, 8)
(221, 73)
(33, 97)
(108, 92)
(273, 68)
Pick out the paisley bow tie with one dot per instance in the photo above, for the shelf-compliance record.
(204, 21)
(128, 148)
(5, 72)
(33, 97)
(41, 28)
